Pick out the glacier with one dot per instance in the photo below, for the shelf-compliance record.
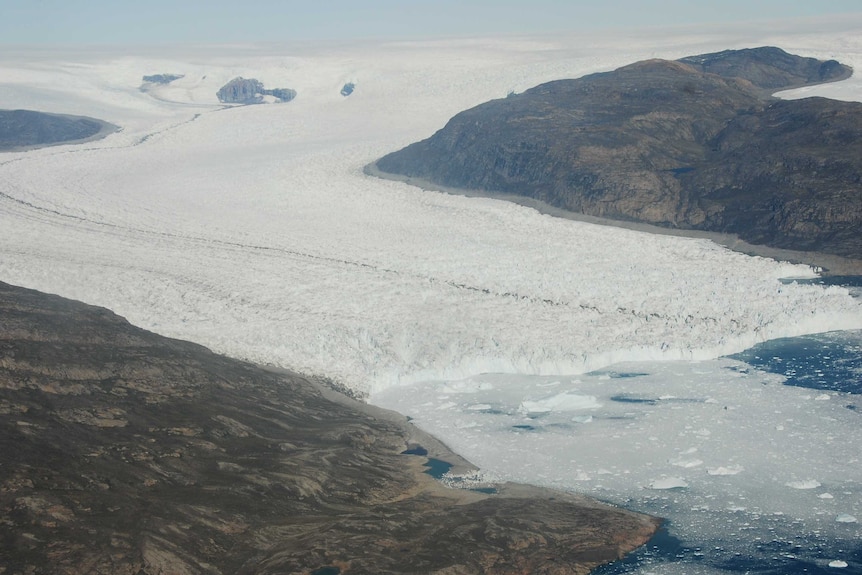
(254, 231)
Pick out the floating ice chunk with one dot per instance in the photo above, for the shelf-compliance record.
(560, 402)
(582, 418)
(722, 470)
(687, 463)
(447, 405)
(668, 483)
(804, 484)
(825, 496)
(466, 386)
(838, 564)
(845, 518)
(479, 407)
(548, 384)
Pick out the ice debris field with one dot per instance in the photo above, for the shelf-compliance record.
(254, 231)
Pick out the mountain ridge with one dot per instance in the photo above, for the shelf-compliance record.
(665, 143)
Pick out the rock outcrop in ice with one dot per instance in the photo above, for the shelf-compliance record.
(251, 91)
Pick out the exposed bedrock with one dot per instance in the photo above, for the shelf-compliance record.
(250, 91)
(125, 452)
(28, 129)
(693, 144)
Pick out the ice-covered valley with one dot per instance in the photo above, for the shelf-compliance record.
(254, 231)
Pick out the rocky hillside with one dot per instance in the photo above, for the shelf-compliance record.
(26, 129)
(769, 68)
(692, 144)
(125, 452)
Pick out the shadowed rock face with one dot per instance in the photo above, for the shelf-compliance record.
(691, 144)
(25, 129)
(769, 68)
(125, 452)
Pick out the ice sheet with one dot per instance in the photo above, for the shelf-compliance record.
(254, 231)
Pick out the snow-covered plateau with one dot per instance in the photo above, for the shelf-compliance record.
(254, 231)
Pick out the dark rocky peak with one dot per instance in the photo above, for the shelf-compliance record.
(241, 91)
(698, 143)
(769, 68)
(659, 66)
(162, 78)
(643, 87)
(251, 91)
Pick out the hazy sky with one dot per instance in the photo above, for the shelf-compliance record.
(171, 21)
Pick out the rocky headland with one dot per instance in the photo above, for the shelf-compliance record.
(694, 144)
(22, 130)
(125, 452)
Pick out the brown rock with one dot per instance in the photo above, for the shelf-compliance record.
(170, 459)
(693, 144)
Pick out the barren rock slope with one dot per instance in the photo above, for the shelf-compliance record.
(125, 452)
(691, 144)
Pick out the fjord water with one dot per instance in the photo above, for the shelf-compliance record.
(753, 459)
(827, 361)
(767, 504)
(255, 232)
(754, 475)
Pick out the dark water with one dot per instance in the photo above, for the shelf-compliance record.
(617, 374)
(798, 556)
(437, 468)
(633, 399)
(663, 547)
(827, 362)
